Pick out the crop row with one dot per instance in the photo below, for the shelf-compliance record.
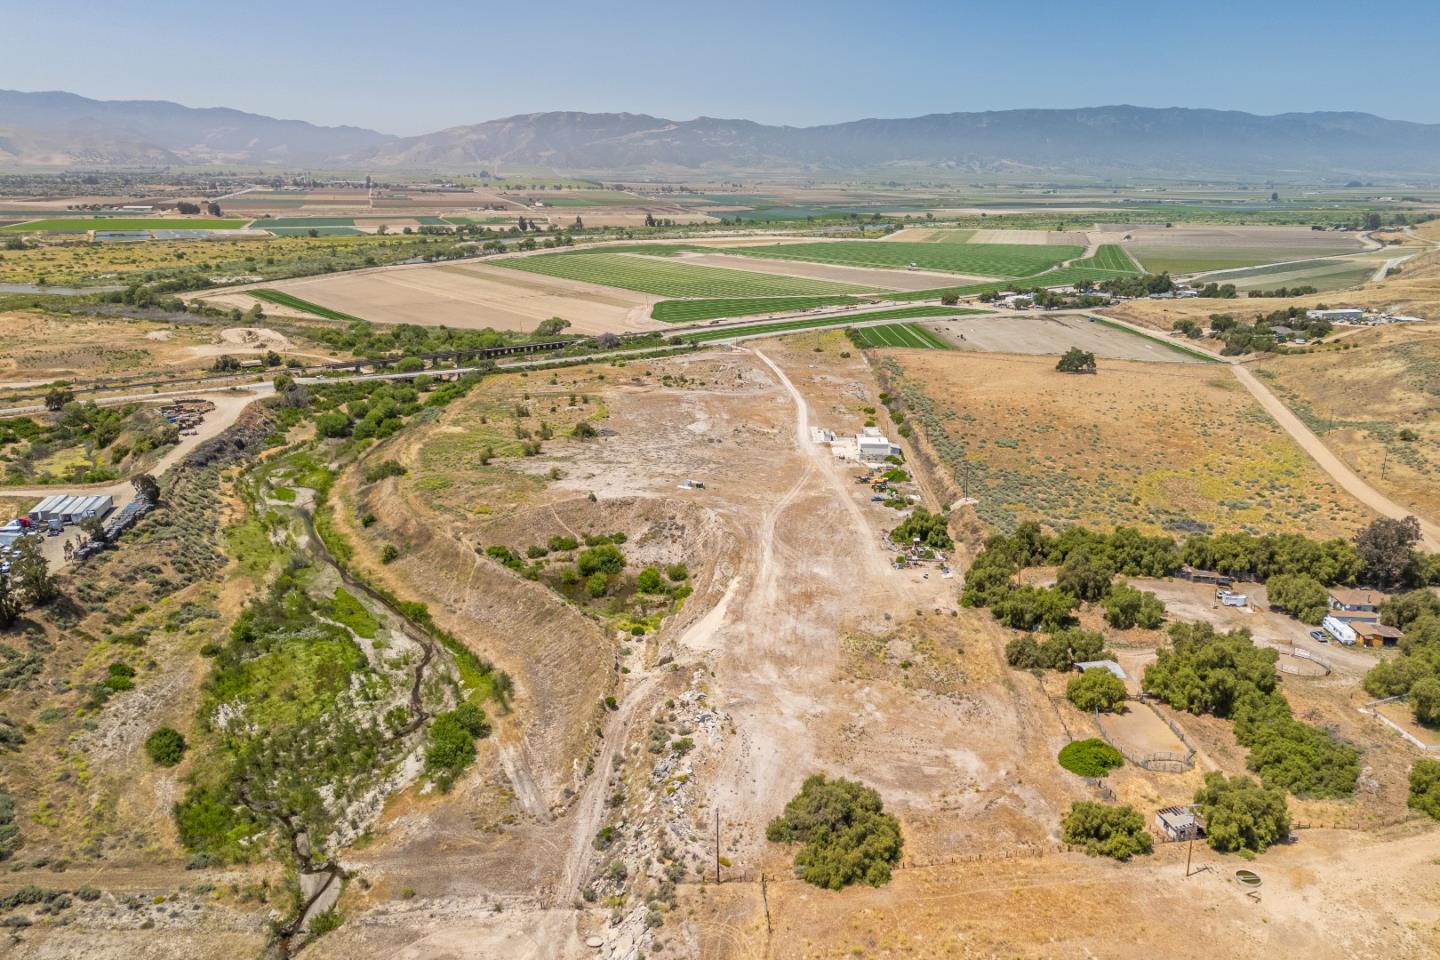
(787, 326)
(691, 311)
(910, 335)
(670, 279)
(988, 259)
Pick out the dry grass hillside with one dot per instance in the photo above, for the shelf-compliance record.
(1377, 405)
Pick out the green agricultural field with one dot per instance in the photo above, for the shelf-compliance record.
(306, 222)
(808, 323)
(692, 311)
(910, 335)
(988, 259)
(670, 279)
(295, 303)
(79, 224)
(1110, 256)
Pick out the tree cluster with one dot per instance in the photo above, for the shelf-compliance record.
(1415, 674)
(1240, 815)
(1117, 832)
(1060, 651)
(1096, 689)
(1201, 671)
(932, 530)
(27, 583)
(847, 835)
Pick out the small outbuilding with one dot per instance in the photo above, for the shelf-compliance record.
(1180, 823)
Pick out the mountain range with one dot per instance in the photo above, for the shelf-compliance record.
(65, 130)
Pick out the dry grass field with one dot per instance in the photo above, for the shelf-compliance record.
(1160, 447)
(1192, 249)
(1377, 405)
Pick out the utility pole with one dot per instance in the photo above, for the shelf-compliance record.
(1384, 462)
(1190, 845)
(717, 845)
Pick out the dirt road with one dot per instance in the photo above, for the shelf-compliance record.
(1329, 462)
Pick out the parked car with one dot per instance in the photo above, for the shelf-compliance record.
(1320, 635)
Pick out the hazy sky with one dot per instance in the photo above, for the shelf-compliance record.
(417, 67)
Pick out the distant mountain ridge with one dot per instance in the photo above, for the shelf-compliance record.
(61, 129)
(64, 129)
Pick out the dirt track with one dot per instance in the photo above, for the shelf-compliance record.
(1333, 465)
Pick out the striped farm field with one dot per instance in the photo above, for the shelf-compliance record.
(283, 299)
(1109, 256)
(910, 335)
(81, 224)
(671, 279)
(986, 259)
(808, 323)
(692, 311)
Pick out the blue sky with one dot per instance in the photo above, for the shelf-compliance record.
(414, 68)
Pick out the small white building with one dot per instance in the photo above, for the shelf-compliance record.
(874, 447)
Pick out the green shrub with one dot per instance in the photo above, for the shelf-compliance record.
(1096, 689)
(165, 746)
(449, 750)
(602, 558)
(389, 553)
(1105, 831)
(677, 572)
(383, 469)
(1424, 788)
(847, 836)
(1090, 758)
(649, 581)
(1240, 815)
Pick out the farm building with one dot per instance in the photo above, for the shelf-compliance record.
(873, 447)
(1339, 315)
(71, 508)
(1362, 632)
(1196, 575)
(1180, 823)
(1349, 604)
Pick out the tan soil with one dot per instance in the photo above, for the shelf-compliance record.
(472, 296)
